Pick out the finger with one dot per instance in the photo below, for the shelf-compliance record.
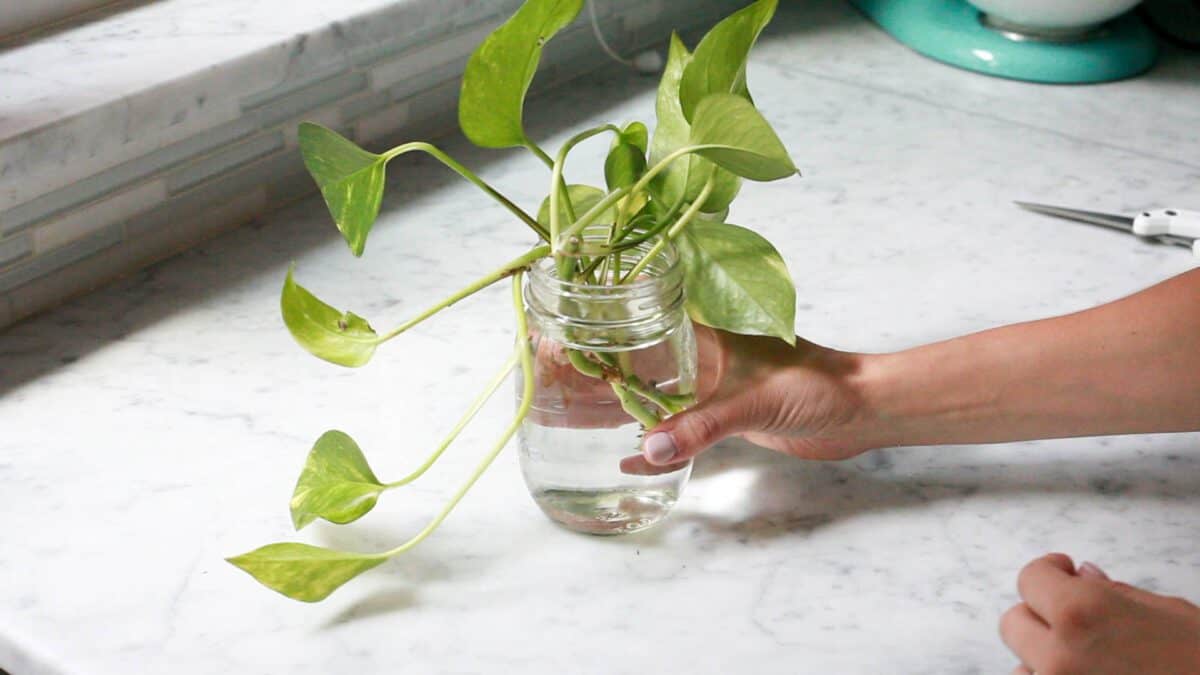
(1025, 633)
(1046, 583)
(1022, 670)
(693, 431)
(1091, 570)
(638, 466)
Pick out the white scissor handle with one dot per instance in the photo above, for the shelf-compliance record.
(1167, 221)
(1177, 222)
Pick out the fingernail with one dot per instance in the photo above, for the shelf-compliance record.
(659, 448)
(1087, 569)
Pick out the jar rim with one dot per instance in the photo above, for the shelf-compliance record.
(607, 317)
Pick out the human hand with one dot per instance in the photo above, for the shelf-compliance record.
(1082, 622)
(797, 400)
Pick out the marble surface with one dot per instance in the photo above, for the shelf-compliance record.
(157, 426)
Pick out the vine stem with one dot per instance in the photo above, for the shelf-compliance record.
(673, 231)
(556, 179)
(483, 397)
(611, 198)
(562, 185)
(508, 269)
(618, 373)
(526, 359)
(463, 171)
(539, 153)
(633, 406)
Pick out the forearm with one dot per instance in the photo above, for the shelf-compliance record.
(1130, 366)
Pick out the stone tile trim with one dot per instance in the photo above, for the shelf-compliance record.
(110, 223)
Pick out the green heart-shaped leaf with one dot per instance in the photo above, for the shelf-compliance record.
(583, 197)
(624, 165)
(492, 100)
(635, 134)
(741, 139)
(336, 484)
(304, 572)
(685, 177)
(736, 281)
(339, 337)
(350, 179)
(671, 129)
(719, 64)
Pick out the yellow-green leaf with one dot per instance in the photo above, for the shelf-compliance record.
(624, 165)
(350, 179)
(736, 281)
(304, 572)
(583, 197)
(719, 64)
(740, 138)
(636, 134)
(492, 100)
(337, 483)
(339, 337)
(685, 177)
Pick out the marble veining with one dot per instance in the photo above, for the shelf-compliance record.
(156, 426)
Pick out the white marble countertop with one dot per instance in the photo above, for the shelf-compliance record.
(156, 426)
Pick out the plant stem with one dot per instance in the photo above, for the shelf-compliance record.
(674, 208)
(618, 373)
(593, 213)
(541, 154)
(522, 411)
(462, 422)
(583, 365)
(633, 406)
(562, 185)
(670, 403)
(508, 269)
(463, 171)
(622, 246)
(611, 198)
(558, 185)
(687, 217)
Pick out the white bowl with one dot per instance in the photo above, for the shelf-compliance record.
(1054, 15)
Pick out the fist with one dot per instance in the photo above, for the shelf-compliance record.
(1078, 621)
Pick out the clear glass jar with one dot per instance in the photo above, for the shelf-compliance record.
(577, 433)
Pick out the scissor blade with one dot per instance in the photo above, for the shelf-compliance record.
(1123, 223)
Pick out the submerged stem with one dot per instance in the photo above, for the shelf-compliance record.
(631, 404)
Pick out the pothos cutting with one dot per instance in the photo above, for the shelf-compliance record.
(674, 188)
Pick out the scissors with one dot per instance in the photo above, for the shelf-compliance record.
(1166, 226)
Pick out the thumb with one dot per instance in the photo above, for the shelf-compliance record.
(1134, 593)
(693, 431)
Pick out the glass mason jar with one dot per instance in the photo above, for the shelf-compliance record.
(577, 433)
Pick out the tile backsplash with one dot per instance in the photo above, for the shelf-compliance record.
(109, 189)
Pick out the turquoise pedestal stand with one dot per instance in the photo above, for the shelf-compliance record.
(951, 31)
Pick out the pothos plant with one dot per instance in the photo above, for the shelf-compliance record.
(674, 188)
